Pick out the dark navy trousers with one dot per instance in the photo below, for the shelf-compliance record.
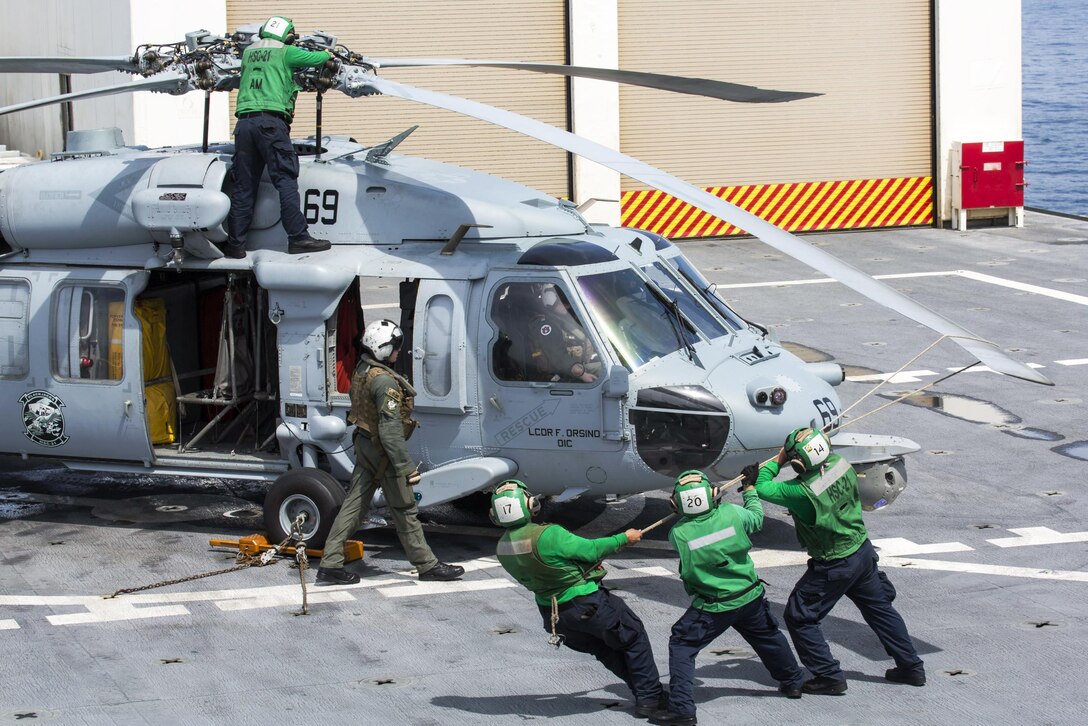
(260, 142)
(858, 578)
(602, 625)
(696, 629)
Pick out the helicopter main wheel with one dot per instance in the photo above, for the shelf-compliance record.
(315, 493)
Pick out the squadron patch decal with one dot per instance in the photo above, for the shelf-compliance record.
(545, 330)
(43, 421)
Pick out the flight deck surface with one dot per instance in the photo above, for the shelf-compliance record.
(987, 547)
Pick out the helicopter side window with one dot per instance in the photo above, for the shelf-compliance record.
(88, 333)
(13, 329)
(540, 336)
(438, 344)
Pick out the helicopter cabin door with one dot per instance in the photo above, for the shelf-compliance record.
(81, 395)
(543, 392)
(445, 393)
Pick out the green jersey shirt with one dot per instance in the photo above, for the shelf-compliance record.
(549, 560)
(268, 82)
(714, 563)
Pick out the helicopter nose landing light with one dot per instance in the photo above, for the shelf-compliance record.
(679, 428)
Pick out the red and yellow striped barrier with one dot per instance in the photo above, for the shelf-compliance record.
(803, 207)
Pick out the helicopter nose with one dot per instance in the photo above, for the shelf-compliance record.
(679, 428)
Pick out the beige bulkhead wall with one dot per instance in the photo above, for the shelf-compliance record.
(486, 29)
(870, 59)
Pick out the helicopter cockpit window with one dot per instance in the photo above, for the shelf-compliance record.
(13, 329)
(88, 333)
(667, 279)
(540, 336)
(637, 322)
(685, 268)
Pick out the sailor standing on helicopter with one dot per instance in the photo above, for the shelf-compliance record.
(262, 136)
(381, 408)
(826, 509)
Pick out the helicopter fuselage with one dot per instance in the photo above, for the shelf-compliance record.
(582, 359)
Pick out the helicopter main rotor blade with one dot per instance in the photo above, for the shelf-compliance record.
(173, 82)
(780, 239)
(677, 84)
(67, 64)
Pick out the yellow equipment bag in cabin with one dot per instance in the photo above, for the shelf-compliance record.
(162, 403)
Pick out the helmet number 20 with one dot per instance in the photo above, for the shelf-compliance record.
(330, 203)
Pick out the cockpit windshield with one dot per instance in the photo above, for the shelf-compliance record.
(669, 281)
(637, 322)
(706, 290)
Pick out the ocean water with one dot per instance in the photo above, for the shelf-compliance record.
(1055, 87)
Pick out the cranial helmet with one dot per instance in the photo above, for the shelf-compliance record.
(693, 495)
(512, 505)
(806, 449)
(278, 28)
(382, 337)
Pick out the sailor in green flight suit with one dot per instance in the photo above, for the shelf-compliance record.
(826, 510)
(262, 137)
(563, 570)
(381, 407)
(713, 544)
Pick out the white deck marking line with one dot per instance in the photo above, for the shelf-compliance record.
(1026, 536)
(901, 547)
(381, 306)
(968, 274)
(1073, 362)
(1033, 573)
(8, 625)
(416, 587)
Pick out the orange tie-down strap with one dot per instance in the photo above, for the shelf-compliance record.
(254, 544)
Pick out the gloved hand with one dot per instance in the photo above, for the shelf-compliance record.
(750, 473)
(332, 66)
(414, 478)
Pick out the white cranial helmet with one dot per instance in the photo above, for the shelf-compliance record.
(382, 338)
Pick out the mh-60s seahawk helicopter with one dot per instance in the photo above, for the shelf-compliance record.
(124, 326)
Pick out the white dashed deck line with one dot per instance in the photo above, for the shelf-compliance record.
(1073, 362)
(902, 547)
(966, 274)
(978, 569)
(1027, 536)
(8, 625)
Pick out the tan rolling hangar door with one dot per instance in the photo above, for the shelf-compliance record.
(858, 156)
(487, 29)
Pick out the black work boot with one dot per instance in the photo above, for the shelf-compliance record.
(233, 249)
(646, 710)
(671, 717)
(335, 576)
(442, 572)
(305, 243)
(913, 677)
(825, 686)
(790, 691)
